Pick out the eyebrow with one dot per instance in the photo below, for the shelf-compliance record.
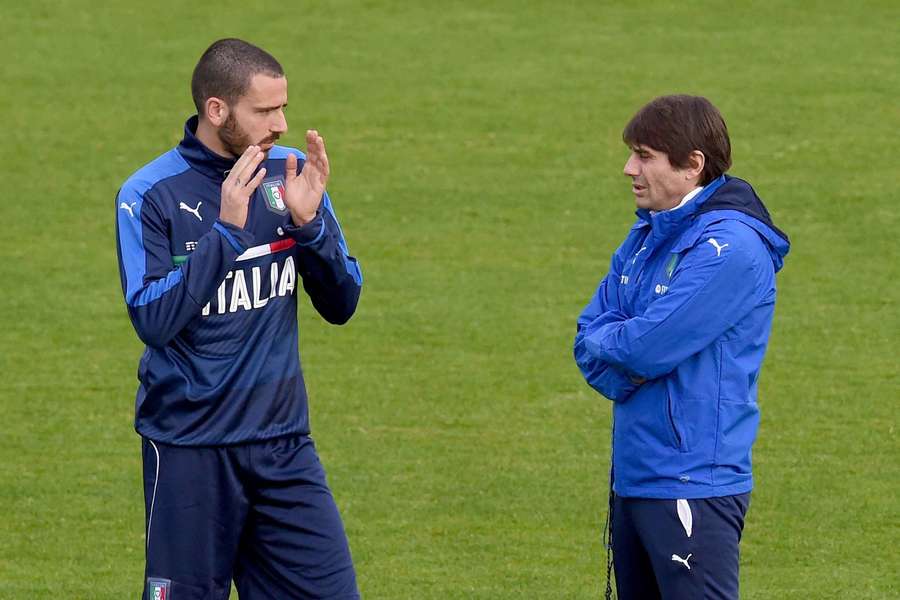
(268, 108)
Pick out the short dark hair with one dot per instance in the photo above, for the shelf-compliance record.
(226, 68)
(678, 125)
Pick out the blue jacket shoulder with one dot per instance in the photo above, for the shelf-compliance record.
(167, 165)
(282, 152)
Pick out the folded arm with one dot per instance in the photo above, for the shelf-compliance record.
(608, 379)
(712, 289)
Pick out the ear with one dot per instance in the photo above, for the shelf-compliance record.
(696, 162)
(215, 111)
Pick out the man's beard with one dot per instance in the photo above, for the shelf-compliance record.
(235, 140)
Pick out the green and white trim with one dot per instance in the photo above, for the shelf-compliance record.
(250, 253)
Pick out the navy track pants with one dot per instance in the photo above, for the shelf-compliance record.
(677, 549)
(259, 513)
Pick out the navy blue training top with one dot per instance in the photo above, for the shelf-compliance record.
(216, 305)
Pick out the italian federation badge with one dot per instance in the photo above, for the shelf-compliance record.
(274, 194)
(158, 589)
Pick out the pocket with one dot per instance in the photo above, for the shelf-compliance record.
(692, 423)
(676, 436)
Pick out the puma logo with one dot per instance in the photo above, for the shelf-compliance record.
(195, 211)
(684, 561)
(129, 208)
(717, 246)
(633, 260)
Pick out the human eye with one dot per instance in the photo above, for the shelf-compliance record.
(641, 153)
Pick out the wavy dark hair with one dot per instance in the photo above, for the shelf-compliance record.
(678, 125)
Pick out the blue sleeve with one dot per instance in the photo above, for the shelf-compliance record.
(604, 377)
(162, 298)
(331, 277)
(710, 291)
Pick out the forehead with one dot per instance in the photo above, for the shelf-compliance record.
(265, 91)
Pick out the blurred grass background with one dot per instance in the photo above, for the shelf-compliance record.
(477, 163)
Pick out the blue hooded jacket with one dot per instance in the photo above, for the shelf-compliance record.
(675, 335)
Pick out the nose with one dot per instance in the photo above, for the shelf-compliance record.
(632, 166)
(279, 125)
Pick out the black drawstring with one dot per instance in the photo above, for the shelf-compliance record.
(608, 526)
(607, 541)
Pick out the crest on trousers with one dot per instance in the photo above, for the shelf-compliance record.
(273, 191)
(159, 589)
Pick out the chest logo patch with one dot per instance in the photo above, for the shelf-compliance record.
(273, 191)
(158, 589)
(671, 264)
(716, 245)
(129, 208)
(634, 260)
(193, 211)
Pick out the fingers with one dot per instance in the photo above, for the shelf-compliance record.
(326, 169)
(242, 161)
(290, 169)
(246, 165)
(250, 167)
(254, 163)
(315, 153)
(254, 183)
(311, 138)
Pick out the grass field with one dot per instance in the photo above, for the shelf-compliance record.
(477, 172)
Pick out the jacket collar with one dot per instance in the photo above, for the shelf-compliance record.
(201, 158)
(667, 223)
(738, 195)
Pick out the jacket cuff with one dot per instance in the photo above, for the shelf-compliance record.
(310, 233)
(617, 386)
(239, 239)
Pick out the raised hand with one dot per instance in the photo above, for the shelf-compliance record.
(240, 185)
(303, 192)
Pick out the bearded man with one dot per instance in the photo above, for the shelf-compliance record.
(213, 238)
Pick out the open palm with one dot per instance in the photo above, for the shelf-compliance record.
(303, 192)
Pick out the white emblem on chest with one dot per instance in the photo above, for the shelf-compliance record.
(717, 246)
(194, 211)
(128, 207)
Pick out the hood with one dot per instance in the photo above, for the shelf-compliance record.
(736, 199)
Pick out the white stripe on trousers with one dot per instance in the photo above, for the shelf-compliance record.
(153, 499)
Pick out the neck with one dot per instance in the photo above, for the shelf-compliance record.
(206, 133)
(684, 200)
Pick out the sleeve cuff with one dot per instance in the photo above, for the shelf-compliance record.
(310, 233)
(239, 239)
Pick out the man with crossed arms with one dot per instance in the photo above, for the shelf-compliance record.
(675, 336)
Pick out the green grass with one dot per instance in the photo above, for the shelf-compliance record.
(477, 172)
